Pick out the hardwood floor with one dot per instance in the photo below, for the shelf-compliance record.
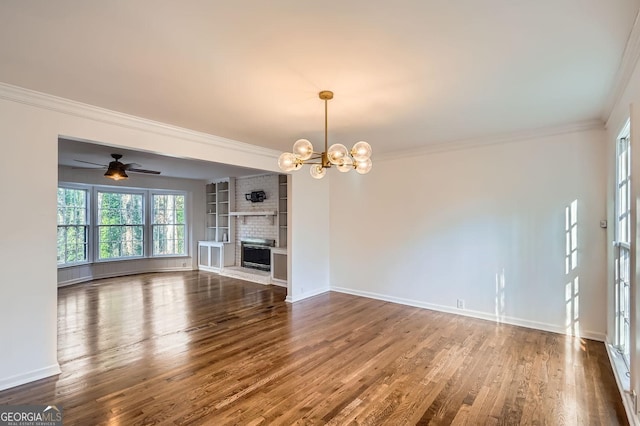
(197, 348)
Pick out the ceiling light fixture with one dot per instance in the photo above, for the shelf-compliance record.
(116, 169)
(359, 158)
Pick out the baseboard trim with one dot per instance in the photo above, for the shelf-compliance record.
(121, 274)
(469, 313)
(30, 376)
(293, 299)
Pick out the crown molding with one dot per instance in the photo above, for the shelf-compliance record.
(576, 127)
(69, 107)
(625, 70)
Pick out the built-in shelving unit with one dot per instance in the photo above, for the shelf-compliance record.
(282, 210)
(279, 266)
(212, 211)
(218, 248)
(213, 255)
(225, 198)
(220, 202)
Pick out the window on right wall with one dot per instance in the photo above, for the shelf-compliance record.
(622, 265)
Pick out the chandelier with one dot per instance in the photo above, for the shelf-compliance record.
(359, 158)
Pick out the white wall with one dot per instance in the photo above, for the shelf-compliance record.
(30, 125)
(195, 216)
(308, 235)
(486, 225)
(28, 298)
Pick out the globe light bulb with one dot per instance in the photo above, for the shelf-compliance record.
(337, 152)
(317, 171)
(347, 164)
(361, 151)
(364, 167)
(303, 149)
(288, 162)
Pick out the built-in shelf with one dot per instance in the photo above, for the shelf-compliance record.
(219, 202)
(283, 181)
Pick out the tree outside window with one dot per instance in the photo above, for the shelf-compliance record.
(120, 225)
(168, 224)
(72, 226)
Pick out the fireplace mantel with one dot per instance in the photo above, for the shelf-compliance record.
(266, 213)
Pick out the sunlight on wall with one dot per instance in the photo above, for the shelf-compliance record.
(572, 287)
(572, 300)
(500, 296)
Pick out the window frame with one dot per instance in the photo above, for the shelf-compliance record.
(622, 282)
(97, 226)
(152, 194)
(87, 225)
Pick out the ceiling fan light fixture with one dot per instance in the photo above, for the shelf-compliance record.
(116, 174)
(116, 169)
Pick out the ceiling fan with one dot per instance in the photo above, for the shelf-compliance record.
(117, 170)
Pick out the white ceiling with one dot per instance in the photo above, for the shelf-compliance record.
(405, 74)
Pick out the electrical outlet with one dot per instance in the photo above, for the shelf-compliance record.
(460, 304)
(184, 264)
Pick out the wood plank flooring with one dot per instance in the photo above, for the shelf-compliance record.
(197, 348)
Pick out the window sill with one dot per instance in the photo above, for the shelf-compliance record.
(620, 372)
(73, 265)
(619, 367)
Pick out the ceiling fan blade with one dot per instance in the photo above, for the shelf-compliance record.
(89, 162)
(149, 172)
(87, 168)
(132, 166)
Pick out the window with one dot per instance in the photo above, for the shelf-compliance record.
(72, 226)
(120, 221)
(168, 224)
(622, 266)
(104, 223)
